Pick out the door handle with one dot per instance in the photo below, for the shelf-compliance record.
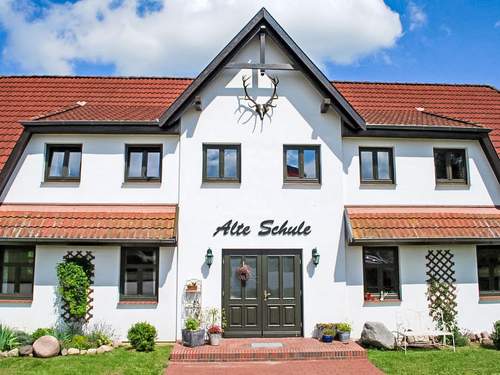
(266, 295)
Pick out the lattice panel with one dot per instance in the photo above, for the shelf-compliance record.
(86, 260)
(441, 274)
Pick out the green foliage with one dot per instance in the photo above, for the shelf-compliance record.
(100, 334)
(78, 342)
(42, 332)
(97, 339)
(142, 337)
(192, 324)
(441, 310)
(8, 338)
(329, 332)
(495, 335)
(24, 338)
(73, 288)
(343, 327)
(460, 339)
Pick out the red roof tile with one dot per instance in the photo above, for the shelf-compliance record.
(413, 118)
(88, 222)
(378, 223)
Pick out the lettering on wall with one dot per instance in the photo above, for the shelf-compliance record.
(266, 228)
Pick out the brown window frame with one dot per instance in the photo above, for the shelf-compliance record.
(123, 270)
(380, 283)
(145, 149)
(66, 148)
(449, 179)
(491, 291)
(301, 179)
(221, 148)
(374, 151)
(18, 265)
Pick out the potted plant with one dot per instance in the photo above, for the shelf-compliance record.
(192, 286)
(192, 335)
(328, 335)
(320, 327)
(344, 332)
(215, 334)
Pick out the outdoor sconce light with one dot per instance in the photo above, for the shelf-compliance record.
(315, 256)
(209, 257)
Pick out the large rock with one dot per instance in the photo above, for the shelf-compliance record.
(377, 335)
(92, 351)
(104, 349)
(46, 347)
(13, 353)
(73, 351)
(26, 350)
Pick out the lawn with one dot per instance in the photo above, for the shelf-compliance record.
(468, 360)
(119, 361)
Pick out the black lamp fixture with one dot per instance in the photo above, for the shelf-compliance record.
(315, 256)
(209, 257)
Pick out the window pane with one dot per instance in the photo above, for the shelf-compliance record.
(213, 162)
(371, 284)
(74, 163)
(135, 164)
(273, 280)
(153, 167)
(18, 256)
(131, 281)
(310, 164)
(366, 165)
(488, 261)
(8, 279)
(383, 165)
(251, 284)
(380, 270)
(440, 162)
(288, 277)
(230, 163)
(138, 256)
(457, 160)
(56, 164)
(235, 287)
(148, 282)
(26, 280)
(292, 163)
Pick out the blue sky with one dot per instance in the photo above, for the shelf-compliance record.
(455, 41)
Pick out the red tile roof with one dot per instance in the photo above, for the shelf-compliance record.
(88, 222)
(379, 223)
(413, 118)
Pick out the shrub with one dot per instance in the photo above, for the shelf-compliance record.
(42, 332)
(495, 335)
(100, 334)
(78, 342)
(23, 338)
(142, 337)
(96, 339)
(73, 288)
(460, 339)
(8, 338)
(192, 324)
(343, 327)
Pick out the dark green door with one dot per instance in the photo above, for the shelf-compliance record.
(269, 303)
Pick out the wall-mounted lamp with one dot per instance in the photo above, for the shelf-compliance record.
(209, 257)
(315, 256)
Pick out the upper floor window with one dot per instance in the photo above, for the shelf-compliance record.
(301, 163)
(16, 272)
(381, 273)
(139, 273)
(450, 165)
(63, 162)
(488, 269)
(143, 163)
(376, 165)
(221, 162)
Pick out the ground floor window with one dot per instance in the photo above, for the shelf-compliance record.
(381, 273)
(16, 272)
(488, 269)
(139, 273)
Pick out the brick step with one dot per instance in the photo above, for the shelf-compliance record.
(241, 350)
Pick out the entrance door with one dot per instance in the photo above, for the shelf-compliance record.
(268, 303)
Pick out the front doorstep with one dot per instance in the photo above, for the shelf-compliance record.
(239, 350)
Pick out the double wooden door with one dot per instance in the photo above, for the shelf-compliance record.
(269, 303)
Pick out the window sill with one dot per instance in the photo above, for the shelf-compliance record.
(385, 302)
(22, 301)
(138, 302)
(493, 298)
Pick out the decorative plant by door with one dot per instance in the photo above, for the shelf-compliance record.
(261, 108)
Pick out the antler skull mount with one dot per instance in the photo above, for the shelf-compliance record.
(261, 108)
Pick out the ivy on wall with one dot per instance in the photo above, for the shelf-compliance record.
(73, 289)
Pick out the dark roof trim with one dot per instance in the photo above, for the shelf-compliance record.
(422, 241)
(14, 157)
(348, 113)
(88, 241)
(96, 127)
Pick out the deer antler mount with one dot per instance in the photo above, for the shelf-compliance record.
(261, 108)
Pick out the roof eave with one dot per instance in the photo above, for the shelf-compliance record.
(422, 241)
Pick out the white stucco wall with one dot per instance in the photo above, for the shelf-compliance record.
(44, 310)
(102, 172)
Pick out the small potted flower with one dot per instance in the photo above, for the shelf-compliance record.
(192, 287)
(192, 335)
(215, 334)
(320, 327)
(344, 332)
(328, 335)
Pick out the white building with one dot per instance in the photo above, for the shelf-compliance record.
(387, 183)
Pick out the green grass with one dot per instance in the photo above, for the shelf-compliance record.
(467, 360)
(122, 361)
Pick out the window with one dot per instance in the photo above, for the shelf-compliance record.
(488, 269)
(376, 165)
(63, 162)
(221, 163)
(450, 165)
(139, 273)
(143, 163)
(301, 164)
(381, 273)
(16, 272)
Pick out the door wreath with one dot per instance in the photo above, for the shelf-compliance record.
(244, 272)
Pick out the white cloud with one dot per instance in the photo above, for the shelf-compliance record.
(181, 37)
(497, 24)
(418, 17)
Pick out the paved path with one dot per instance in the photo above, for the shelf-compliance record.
(309, 367)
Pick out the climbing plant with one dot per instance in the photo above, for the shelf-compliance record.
(73, 288)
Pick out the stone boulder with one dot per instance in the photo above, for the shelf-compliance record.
(117, 343)
(13, 353)
(46, 347)
(376, 334)
(73, 351)
(92, 351)
(26, 350)
(104, 349)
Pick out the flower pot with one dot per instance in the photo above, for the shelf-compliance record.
(193, 338)
(344, 336)
(215, 339)
(327, 338)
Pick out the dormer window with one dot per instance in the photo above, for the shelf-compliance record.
(143, 163)
(63, 162)
(451, 166)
